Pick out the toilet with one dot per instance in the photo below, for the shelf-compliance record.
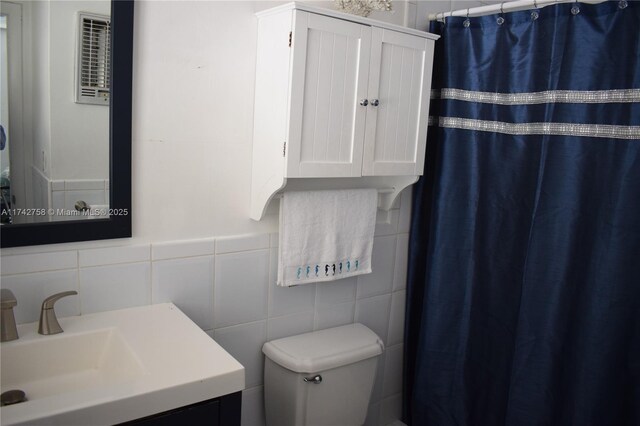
(321, 378)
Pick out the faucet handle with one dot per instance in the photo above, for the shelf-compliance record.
(8, 330)
(48, 321)
(7, 299)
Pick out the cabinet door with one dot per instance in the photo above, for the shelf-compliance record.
(400, 80)
(329, 77)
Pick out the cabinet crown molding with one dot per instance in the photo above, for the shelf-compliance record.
(345, 17)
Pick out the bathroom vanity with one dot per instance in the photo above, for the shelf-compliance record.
(149, 365)
(223, 411)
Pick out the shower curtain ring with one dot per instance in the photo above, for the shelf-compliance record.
(535, 14)
(467, 22)
(500, 19)
(575, 9)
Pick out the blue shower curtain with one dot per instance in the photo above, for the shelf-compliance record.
(523, 293)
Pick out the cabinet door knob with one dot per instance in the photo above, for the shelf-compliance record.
(364, 102)
(375, 102)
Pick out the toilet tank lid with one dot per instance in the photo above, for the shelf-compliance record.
(324, 349)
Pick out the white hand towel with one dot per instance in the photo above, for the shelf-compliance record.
(325, 235)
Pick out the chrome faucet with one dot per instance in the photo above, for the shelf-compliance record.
(48, 322)
(8, 330)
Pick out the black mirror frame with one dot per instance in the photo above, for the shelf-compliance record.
(117, 225)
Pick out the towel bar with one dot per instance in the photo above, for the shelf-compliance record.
(380, 191)
(382, 204)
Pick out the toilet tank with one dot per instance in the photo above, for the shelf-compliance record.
(321, 378)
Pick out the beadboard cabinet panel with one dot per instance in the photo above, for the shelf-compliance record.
(399, 86)
(330, 73)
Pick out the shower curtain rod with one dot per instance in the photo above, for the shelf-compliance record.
(507, 6)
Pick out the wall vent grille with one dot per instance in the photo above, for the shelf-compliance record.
(93, 71)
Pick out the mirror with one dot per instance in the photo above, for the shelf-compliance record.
(65, 112)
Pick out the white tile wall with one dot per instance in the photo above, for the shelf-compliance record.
(396, 319)
(114, 255)
(328, 316)
(176, 249)
(38, 262)
(274, 239)
(376, 394)
(242, 243)
(106, 288)
(65, 193)
(57, 185)
(57, 200)
(241, 287)
(392, 380)
(373, 415)
(391, 409)
(82, 184)
(189, 284)
(253, 407)
(337, 291)
(227, 287)
(374, 313)
(289, 325)
(380, 281)
(244, 342)
(387, 222)
(402, 255)
(404, 220)
(31, 289)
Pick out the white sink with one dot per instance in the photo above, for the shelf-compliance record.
(68, 362)
(115, 366)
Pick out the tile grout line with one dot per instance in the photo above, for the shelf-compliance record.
(151, 274)
(80, 304)
(213, 288)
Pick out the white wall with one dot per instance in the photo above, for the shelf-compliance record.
(425, 7)
(193, 117)
(192, 139)
(70, 141)
(37, 13)
(4, 89)
(79, 132)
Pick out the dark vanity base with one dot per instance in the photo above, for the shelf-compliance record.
(223, 411)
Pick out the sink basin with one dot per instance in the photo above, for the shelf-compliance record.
(113, 367)
(68, 362)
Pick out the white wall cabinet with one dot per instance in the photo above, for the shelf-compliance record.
(337, 96)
